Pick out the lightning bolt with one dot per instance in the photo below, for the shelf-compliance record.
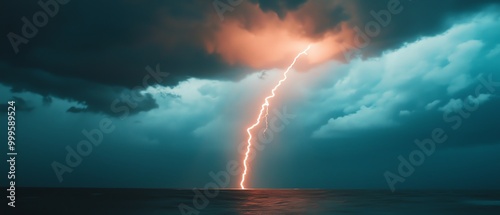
(265, 107)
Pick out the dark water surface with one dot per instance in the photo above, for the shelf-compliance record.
(41, 201)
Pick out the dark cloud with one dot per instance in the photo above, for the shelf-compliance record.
(417, 19)
(96, 97)
(279, 6)
(92, 52)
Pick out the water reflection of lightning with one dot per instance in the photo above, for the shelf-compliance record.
(265, 107)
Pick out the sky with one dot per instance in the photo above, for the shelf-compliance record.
(158, 94)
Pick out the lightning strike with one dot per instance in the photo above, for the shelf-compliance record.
(265, 106)
(267, 123)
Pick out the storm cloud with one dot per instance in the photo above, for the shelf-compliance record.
(108, 44)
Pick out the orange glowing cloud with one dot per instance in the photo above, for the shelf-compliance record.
(262, 40)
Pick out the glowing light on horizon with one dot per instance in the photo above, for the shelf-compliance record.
(265, 106)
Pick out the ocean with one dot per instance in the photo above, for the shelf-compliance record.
(76, 201)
